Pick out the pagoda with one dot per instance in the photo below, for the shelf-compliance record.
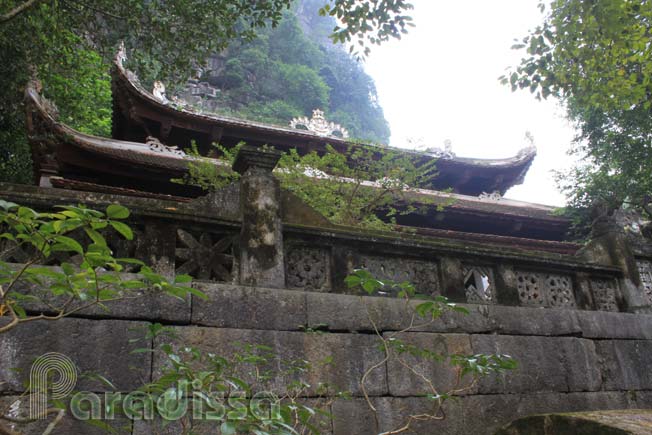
(576, 316)
(149, 132)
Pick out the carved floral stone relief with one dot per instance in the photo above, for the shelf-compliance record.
(604, 294)
(423, 274)
(645, 272)
(545, 289)
(307, 268)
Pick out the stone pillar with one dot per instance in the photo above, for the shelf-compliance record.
(506, 285)
(609, 246)
(452, 279)
(261, 237)
(157, 246)
(583, 295)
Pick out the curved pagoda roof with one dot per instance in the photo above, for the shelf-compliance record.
(66, 158)
(138, 114)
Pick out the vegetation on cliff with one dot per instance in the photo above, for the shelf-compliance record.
(68, 45)
(292, 69)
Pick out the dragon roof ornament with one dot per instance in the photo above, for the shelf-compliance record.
(318, 124)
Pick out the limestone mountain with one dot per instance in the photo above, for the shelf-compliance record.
(289, 71)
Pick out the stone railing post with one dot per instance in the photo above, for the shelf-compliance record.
(261, 237)
(452, 279)
(609, 246)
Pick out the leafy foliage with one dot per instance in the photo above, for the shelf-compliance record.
(69, 44)
(362, 21)
(596, 57)
(208, 173)
(231, 391)
(396, 345)
(93, 279)
(293, 69)
(364, 186)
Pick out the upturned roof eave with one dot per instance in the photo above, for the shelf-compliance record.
(125, 79)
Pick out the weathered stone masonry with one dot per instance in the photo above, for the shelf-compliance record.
(579, 355)
(578, 319)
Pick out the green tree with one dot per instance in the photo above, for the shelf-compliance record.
(44, 37)
(596, 58)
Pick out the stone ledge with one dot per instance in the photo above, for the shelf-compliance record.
(150, 306)
(230, 306)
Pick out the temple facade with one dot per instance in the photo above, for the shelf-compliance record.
(574, 316)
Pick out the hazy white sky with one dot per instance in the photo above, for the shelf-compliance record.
(440, 82)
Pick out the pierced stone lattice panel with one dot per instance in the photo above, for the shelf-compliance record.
(421, 274)
(530, 288)
(560, 291)
(604, 294)
(479, 284)
(205, 255)
(307, 268)
(645, 272)
(545, 289)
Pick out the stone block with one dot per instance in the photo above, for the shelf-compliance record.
(582, 367)
(533, 321)
(603, 324)
(544, 364)
(230, 306)
(339, 360)
(95, 347)
(355, 313)
(353, 416)
(626, 364)
(410, 375)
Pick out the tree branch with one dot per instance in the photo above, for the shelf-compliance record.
(18, 10)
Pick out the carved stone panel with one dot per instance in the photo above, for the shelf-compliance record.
(205, 255)
(560, 291)
(545, 289)
(422, 274)
(645, 272)
(604, 294)
(307, 268)
(530, 289)
(479, 284)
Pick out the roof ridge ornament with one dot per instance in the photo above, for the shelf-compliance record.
(446, 153)
(493, 196)
(155, 145)
(527, 151)
(159, 92)
(319, 125)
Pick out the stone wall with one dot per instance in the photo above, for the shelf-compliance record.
(575, 324)
(569, 360)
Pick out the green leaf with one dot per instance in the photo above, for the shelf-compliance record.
(227, 428)
(96, 237)
(116, 211)
(123, 229)
(65, 243)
